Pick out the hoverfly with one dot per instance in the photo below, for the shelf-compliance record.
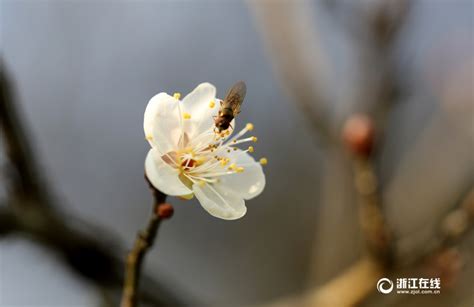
(230, 106)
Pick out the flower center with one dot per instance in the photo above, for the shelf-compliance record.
(188, 164)
(207, 157)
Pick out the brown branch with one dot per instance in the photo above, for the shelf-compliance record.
(454, 226)
(377, 234)
(25, 174)
(143, 242)
(380, 91)
(8, 222)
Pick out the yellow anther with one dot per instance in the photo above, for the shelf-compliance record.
(224, 162)
(186, 116)
(149, 137)
(263, 161)
(239, 169)
(201, 183)
(249, 126)
(232, 166)
(212, 104)
(250, 149)
(177, 96)
(254, 139)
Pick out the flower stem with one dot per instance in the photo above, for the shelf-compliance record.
(143, 242)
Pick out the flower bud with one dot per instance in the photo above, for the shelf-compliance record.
(358, 134)
(164, 211)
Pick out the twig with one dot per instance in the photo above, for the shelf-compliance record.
(381, 90)
(143, 242)
(452, 229)
(8, 221)
(25, 174)
(376, 231)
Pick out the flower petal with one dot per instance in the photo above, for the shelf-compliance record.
(161, 122)
(249, 183)
(150, 113)
(164, 177)
(220, 202)
(197, 104)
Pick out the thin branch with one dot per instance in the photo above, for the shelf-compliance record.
(8, 222)
(454, 226)
(143, 242)
(376, 231)
(380, 91)
(25, 174)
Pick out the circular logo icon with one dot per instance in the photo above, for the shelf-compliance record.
(384, 285)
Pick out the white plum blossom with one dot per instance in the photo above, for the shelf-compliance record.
(188, 156)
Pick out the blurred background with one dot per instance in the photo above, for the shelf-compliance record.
(83, 72)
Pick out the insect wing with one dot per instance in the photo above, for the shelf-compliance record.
(236, 96)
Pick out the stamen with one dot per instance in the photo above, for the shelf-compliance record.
(241, 132)
(249, 126)
(177, 95)
(149, 137)
(250, 149)
(186, 116)
(206, 167)
(250, 139)
(212, 104)
(212, 175)
(201, 180)
(263, 161)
